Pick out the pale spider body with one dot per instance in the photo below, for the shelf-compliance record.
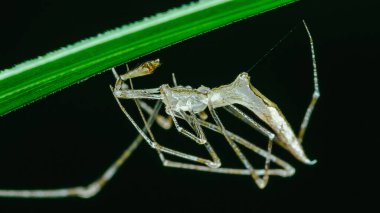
(185, 99)
(190, 105)
(242, 92)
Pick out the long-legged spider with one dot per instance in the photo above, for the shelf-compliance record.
(189, 104)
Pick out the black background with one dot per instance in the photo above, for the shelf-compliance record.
(70, 138)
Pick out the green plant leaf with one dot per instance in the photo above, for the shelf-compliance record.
(31, 80)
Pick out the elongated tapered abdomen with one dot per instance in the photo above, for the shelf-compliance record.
(242, 92)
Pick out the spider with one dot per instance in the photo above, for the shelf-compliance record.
(190, 104)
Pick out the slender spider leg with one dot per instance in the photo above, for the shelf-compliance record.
(286, 171)
(261, 183)
(261, 176)
(192, 121)
(271, 136)
(201, 136)
(215, 163)
(89, 190)
(248, 120)
(164, 122)
(144, 69)
(120, 84)
(174, 80)
(142, 114)
(194, 125)
(316, 94)
(179, 128)
(153, 94)
(153, 144)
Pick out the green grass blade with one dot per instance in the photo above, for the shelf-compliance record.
(31, 80)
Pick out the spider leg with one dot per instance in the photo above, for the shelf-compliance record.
(153, 94)
(89, 190)
(192, 120)
(119, 84)
(247, 119)
(261, 182)
(163, 122)
(122, 91)
(200, 139)
(285, 171)
(153, 143)
(174, 80)
(196, 126)
(180, 129)
(316, 94)
(201, 136)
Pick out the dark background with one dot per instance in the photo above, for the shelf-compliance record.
(70, 138)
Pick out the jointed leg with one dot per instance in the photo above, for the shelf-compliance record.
(155, 145)
(248, 120)
(136, 94)
(165, 123)
(81, 191)
(152, 94)
(119, 84)
(162, 121)
(121, 89)
(183, 131)
(174, 80)
(316, 93)
(192, 120)
(285, 171)
(214, 163)
(200, 139)
(260, 182)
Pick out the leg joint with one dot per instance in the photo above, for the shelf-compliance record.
(89, 191)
